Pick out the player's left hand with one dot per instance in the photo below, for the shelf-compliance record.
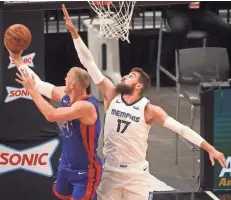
(216, 155)
(27, 81)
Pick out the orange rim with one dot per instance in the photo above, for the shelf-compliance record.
(101, 3)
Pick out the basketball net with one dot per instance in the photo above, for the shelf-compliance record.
(114, 18)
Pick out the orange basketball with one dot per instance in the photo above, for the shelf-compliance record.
(17, 37)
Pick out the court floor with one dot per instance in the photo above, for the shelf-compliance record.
(193, 196)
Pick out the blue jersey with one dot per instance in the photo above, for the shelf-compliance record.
(80, 141)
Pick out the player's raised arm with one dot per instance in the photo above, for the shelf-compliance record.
(78, 110)
(106, 86)
(46, 89)
(157, 114)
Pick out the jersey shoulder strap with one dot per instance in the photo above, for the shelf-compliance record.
(91, 99)
(144, 101)
(65, 100)
(141, 105)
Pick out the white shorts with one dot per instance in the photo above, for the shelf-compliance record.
(125, 182)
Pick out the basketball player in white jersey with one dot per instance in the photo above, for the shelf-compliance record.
(129, 117)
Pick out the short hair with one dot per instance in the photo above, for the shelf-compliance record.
(81, 76)
(143, 79)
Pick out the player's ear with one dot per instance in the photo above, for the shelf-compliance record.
(73, 84)
(139, 86)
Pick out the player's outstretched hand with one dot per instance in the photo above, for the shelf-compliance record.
(216, 155)
(69, 25)
(15, 56)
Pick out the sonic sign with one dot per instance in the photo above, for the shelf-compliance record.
(35, 159)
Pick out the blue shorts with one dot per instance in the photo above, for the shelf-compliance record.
(77, 184)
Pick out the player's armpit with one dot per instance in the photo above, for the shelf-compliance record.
(58, 93)
(108, 90)
(106, 104)
(78, 110)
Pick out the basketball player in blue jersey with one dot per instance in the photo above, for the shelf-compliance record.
(129, 117)
(79, 171)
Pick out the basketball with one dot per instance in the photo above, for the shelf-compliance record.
(17, 38)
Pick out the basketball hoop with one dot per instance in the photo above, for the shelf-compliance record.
(114, 18)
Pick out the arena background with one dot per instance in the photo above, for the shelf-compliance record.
(55, 55)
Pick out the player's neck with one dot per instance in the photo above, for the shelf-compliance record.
(130, 98)
(77, 96)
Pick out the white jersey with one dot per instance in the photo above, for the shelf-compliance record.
(125, 131)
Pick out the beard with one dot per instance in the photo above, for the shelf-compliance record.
(124, 89)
